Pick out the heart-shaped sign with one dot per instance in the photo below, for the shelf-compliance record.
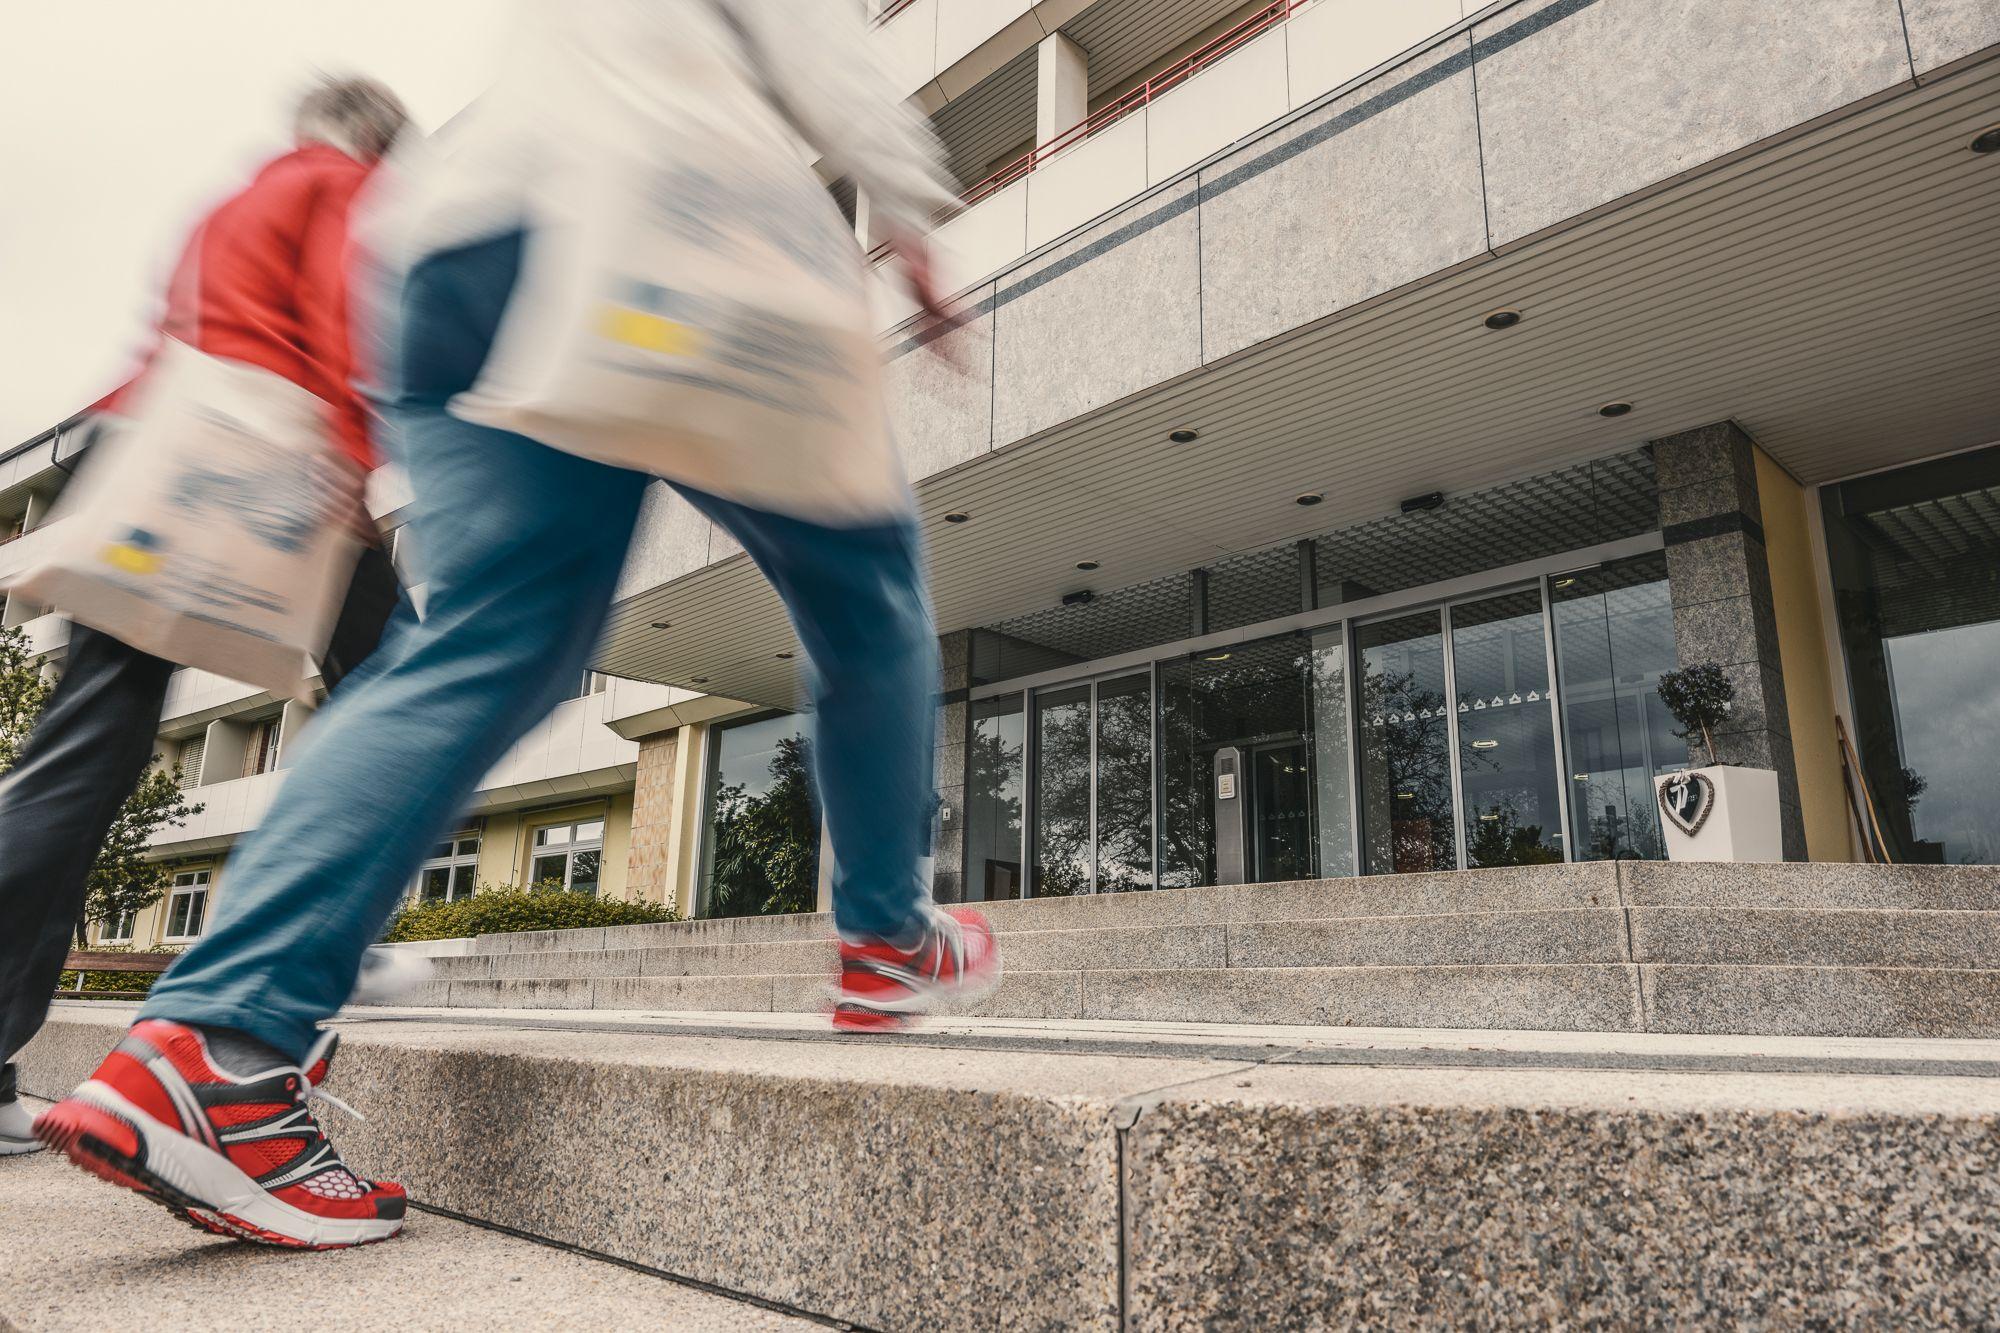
(1687, 799)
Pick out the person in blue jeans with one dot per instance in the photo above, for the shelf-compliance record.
(523, 545)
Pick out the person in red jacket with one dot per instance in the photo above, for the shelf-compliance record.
(262, 281)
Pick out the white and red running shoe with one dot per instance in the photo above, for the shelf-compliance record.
(239, 1156)
(957, 962)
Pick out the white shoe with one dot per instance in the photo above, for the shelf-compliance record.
(17, 1135)
(388, 974)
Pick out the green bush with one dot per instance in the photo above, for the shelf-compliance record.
(104, 981)
(501, 911)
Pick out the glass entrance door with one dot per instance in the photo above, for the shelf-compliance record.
(1408, 816)
(1093, 787)
(1281, 794)
(1455, 724)
(1508, 781)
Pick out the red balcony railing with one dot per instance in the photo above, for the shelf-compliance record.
(1168, 79)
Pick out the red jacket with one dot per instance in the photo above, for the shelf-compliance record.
(264, 280)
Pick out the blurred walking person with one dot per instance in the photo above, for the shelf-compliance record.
(263, 283)
(621, 252)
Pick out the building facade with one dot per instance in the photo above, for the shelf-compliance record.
(1359, 407)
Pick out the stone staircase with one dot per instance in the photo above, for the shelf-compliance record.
(1799, 950)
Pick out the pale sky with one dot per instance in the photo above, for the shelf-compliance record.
(122, 120)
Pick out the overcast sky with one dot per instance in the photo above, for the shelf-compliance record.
(121, 120)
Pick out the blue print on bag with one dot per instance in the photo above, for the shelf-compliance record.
(269, 494)
(717, 214)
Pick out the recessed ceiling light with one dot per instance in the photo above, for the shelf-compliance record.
(663, 624)
(1309, 499)
(1505, 318)
(1987, 140)
(1184, 436)
(958, 516)
(1617, 409)
(1086, 565)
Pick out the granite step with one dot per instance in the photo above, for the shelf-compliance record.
(1574, 936)
(1634, 884)
(1777, 1000)
(1117, 1176)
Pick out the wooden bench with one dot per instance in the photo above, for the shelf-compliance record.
(85, 961)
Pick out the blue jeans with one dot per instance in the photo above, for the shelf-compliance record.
(522, 546)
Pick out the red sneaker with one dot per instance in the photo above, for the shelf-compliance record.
(957, 962)
(239, 1156)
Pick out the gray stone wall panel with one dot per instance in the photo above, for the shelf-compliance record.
(941, 395)
(1942, 31)
(1612, 96)
(1375, 190)
(1094, 320)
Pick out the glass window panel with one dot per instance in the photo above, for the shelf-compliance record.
(1244, 696)
(760, 854)
(1125, 784)
(1614, 629)
(1506, 732)
(1915, 557)
(1406, 787)
(1062, 792)
(435, 885)
(1333, 788)
(994, 776)
(583, 870)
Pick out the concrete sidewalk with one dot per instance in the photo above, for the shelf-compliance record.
(80, 1255)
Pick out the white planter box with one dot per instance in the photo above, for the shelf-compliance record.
(1740, 823)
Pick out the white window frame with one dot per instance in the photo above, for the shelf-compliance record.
(567, 849)
(188, 884)
(110, 934)
(452, 862)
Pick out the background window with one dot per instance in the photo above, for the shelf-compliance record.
(262, 756)
(187, 905)
(448, 874)
(568, 856)
(761, 853)
(1915, 556)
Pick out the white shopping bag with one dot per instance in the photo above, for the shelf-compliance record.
(219, 531)
(691, 302)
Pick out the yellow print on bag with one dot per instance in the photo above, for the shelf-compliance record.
(137, 553)
(649, 333)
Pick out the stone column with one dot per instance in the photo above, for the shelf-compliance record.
(1720, 580)
(1062, 87)
(655, 799)
(949, 828)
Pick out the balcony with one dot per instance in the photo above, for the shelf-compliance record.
(1285, 56)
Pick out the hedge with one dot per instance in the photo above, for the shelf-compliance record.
(504, 911)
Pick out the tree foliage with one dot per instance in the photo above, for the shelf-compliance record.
(121, 879)
(1699, 697)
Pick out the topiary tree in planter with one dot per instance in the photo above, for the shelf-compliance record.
(1700, 698)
